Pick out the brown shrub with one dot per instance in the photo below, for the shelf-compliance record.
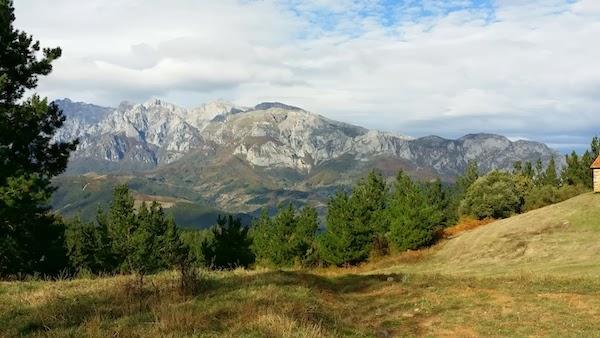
(464, 224)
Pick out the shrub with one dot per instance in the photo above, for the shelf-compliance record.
(496, 195)
(542, 196)
(464, 224)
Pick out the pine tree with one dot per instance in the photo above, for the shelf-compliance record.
(368, 202)
(262, 238)
(303, 240)
(539, 177)
(413, 220)
(595, 148)
(440, 198)
(345, 241)
(459, 190)
(550, 176)
(284, 225)
(105, 255)
(174, 252)
(31, 239)
(82, 246)
(585, 174)
(144, 254)
(528, 170)
(230, 246)
(122, 224)
(469, 177)
(285, 239)
(517, 168)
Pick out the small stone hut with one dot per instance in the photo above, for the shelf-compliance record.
(596, 173)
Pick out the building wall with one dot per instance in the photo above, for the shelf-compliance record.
(596, 180)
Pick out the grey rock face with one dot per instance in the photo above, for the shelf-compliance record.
(269, 135)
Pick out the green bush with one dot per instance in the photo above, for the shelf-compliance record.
(496, 195)
(542, 196)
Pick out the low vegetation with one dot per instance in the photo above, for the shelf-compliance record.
(305, 304)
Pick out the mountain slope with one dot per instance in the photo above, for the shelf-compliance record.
(269, 135)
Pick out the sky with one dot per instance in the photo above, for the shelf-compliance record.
(527, 69)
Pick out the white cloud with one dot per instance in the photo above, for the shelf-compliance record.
(524, 65)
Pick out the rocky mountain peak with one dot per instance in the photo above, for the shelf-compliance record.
(272, 135)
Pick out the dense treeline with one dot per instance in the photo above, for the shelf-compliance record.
(372, 219)
(126, 239)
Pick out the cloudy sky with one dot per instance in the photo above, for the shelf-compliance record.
(523, 68)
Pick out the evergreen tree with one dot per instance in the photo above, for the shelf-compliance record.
(230, 246)
(539, 177)
(31, 239)
(441, 198)
(368, 202)
(105, 255)
(284, 226)
(457, 193)
(550, 176)
(303, 240)
(517, 168)
(144, 254)
(577, 171)
(595, 148)
(174, 251)
(287, 238)
(345, 241)
(263, 239)
(369, 199)
(528, 170)
(469, 177)
(82, 246)
(122, 224)
(585, 173)
(413, 220)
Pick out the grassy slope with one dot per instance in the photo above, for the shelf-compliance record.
(531, 275)
(561, 239)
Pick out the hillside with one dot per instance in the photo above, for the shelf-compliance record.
(534, 274)
(560, 239)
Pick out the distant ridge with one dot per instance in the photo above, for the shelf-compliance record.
(241, 159)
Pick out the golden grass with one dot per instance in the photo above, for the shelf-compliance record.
(299, 304)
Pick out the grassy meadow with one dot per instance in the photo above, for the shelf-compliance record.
(535, 274)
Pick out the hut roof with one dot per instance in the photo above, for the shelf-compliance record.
(596, 164)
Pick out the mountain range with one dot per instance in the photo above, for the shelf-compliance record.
(224, 157)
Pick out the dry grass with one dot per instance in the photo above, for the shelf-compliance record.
(299, 304)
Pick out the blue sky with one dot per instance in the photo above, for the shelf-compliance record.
(525, 69)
